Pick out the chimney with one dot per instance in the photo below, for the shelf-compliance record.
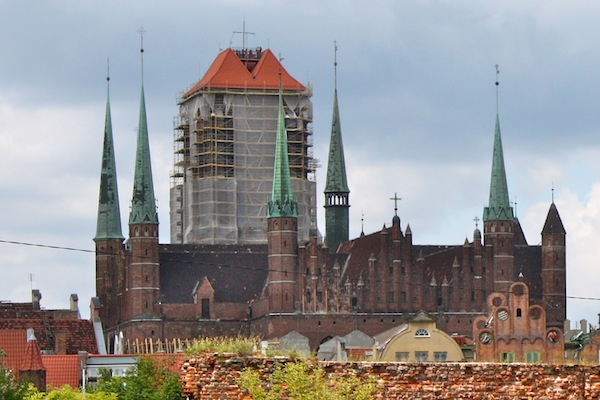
(74, 303)
(36, 296)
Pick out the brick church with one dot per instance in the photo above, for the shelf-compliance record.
(289, 282)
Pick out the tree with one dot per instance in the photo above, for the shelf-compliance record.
(148, 379)
(303, 381)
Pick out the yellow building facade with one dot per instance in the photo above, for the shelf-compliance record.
(417, 341)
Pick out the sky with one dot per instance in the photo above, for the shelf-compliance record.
(417, 103)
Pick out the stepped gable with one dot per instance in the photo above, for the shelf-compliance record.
(237, 273)
(229, 72)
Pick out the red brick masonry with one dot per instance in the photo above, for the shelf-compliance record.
(213, 376)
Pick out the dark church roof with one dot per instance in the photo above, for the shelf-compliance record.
(237, 273)
(438, 260)
(553, 222)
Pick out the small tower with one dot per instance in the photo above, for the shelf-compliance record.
(554, 269)
(143, 273)
(282, 227)
(337, 201)
(109, 237)
(498, 218)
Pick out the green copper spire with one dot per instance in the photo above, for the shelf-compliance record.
(336, 166)
(109, 214)
(143, 204)
(499, 206)
(282, 203)
(337, 194)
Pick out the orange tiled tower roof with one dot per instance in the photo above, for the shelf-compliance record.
(246, 69)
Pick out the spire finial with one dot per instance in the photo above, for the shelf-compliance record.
(335, 63)
(552, 192)
(107, 69)
(395, 198)
(515, 203)
(476, 219)
(497, 84)
(141, 32)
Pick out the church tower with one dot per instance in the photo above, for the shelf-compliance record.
(282, 227)
(337, 201)
(498, 221)
(554, 269)
(143, 285)
(109, 237)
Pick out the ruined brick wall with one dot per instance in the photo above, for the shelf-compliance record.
(213, 376)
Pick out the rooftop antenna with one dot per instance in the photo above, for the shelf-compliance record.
(395, 198)
(142, 31)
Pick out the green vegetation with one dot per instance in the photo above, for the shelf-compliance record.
(241, 346)
(148, 379)
(300, 380)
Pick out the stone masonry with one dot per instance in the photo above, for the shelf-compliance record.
(213, 376)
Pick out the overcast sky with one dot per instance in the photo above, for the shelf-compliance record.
(417, 103)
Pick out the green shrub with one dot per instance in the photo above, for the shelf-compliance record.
(305, 381)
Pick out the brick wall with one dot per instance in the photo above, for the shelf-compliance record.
(213, 376)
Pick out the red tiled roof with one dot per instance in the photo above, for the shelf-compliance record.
(14, 343)
(32, 361)
(229, 72)
(79, 332)
(62, 370)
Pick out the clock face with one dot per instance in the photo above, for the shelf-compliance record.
(485, 338)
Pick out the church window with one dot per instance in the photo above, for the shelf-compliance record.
(390, 297)
(390, 270)
(422, 332)
(354, 303)
(519, 313)
(319, 297)
(472, 295)
(403, 297)
(146, 305)
(308, 297)
(403, 271)
(401, 356)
